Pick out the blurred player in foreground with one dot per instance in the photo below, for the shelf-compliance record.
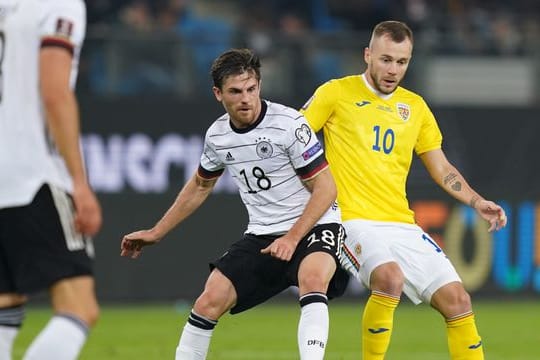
(47, 209)
(294, 232)
(371, 128)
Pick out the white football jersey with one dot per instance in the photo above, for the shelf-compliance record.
(28, 158)
(268, 162)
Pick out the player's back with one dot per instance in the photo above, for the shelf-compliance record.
(27, 156)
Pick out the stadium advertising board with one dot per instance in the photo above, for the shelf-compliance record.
(137, 160)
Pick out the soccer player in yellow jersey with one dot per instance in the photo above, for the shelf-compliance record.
(371, 128)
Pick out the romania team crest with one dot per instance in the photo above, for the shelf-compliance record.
(404, 111)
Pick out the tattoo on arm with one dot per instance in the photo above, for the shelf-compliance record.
(451, 179)
(474, 200)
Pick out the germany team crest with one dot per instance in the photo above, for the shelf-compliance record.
(404, 111)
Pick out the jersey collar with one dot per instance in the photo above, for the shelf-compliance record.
(264, 107)
(373, 90)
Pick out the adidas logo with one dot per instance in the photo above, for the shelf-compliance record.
(229, 157)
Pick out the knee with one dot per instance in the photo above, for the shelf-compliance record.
(11, 299)
(92, 315)
(211, 304)
(452, 300)
(312, 282)
(387, 278)
(89, 314)
(458, 302)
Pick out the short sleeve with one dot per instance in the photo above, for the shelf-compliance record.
(305, 150)
(210, 165)
(64, 20)
(430, 136)
(319, 108)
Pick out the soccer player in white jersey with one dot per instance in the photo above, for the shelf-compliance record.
(372, 126)
(294, 233)
(47, 209)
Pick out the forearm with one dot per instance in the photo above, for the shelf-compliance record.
(455, 184)
(323, 195)
(63, 124)
(189, 199)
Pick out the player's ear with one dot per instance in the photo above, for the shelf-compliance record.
(217, 93)
(367, 55)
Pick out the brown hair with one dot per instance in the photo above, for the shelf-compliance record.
(235, 62)
(397, 31)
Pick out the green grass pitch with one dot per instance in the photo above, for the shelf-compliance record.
(509, 330)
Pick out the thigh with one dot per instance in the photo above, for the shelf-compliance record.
(366, 246)
(323, 239)
(40, 245)
(424, 264)
(256, 277)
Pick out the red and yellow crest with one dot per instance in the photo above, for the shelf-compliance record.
(404, 111)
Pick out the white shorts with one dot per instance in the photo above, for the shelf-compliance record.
(371, 243)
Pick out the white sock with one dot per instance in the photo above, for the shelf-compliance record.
(195, 339)
(11, 319)
(313, 330)
(7, 337)
(61, 339)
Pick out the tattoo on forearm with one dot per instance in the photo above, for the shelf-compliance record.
(452, 180)
(474, 200)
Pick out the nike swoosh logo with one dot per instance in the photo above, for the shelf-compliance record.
(476, 346)
(378, 331)
(362, 103)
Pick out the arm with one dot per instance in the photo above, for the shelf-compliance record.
(189, 199)
(323, 194)
(451, 180)
(62, 115)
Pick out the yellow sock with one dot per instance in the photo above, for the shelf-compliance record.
(464, 343)
(377, 325)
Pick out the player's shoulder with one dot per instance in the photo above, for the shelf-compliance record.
(277, 112)
(219, 125)
(339, 82)
(63, 3)
(405, 95)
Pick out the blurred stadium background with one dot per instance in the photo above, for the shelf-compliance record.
(146, 101)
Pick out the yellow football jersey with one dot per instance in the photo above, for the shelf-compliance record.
(369, 142)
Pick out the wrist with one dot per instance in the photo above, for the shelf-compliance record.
(474, 201)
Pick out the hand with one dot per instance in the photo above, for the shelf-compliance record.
(133, 243)
(492, 213)
(282, 248)
(88, 218)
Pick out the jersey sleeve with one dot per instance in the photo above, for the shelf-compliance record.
(430, 137)
(319, 108)
(63, 24)
(305, 150)
(210, 166)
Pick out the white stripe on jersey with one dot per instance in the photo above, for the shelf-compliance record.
(263, 163)
(25, 156)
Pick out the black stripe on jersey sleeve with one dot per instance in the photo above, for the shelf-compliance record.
(57, 42)
(207, 174)
(313, 168)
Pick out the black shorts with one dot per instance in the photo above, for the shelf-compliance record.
(38, 244)
(257, 277)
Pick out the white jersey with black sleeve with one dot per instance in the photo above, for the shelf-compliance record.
(28, 158)
(268, 161)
